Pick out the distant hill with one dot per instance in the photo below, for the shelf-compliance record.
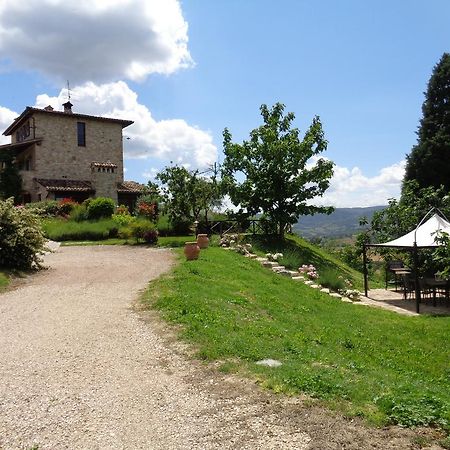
(341, 223)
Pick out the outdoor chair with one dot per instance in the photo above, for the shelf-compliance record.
(409, 287)
(398, 270)
(426, 291)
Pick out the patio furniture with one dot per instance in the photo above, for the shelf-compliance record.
(398, 270)
(438, 286)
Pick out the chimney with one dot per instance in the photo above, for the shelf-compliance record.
(68, 107)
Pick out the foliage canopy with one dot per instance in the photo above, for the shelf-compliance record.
(429, 160)
(276, 169)
(187, 195)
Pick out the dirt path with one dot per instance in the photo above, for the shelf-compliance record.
(80, 369)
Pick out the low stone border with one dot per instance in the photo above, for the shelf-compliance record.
(295, 276)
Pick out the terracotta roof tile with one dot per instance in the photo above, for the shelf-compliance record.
(66, 185)
(130, 187)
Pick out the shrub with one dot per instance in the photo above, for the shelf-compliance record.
(122, 220)
(292, 259)
(21, 237)
(141, 227)
(48, 208)
(309, 270)
(150, 236)
(332, 280)
(100, 207)
(147, 206)
(125, 233)
(79, 213)
(122, 216)
(65, 206)
(181, 227)
(122, 209)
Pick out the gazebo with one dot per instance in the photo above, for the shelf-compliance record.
(422, 237)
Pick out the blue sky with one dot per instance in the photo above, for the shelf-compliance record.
(185, 71)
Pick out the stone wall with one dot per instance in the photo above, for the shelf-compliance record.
(60, 157)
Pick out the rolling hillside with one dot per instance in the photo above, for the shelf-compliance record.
(341, 223)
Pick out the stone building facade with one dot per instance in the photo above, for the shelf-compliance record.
(69, 155)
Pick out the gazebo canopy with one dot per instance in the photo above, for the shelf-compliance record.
(424, 236)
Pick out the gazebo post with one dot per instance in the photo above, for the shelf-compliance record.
(366, 284)
(416, 276)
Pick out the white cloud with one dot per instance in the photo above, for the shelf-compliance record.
(351, 188)
(168, 140)
(151, 173)
(6, 118)
(94, 40)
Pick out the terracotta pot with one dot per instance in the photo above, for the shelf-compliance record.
(191, 250)
(202, 240)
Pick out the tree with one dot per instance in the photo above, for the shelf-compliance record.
(276, 169)
(429, 160)
(175, 180)
(187, 194)
(10, 179)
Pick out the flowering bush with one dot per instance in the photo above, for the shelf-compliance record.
(309, 270)
(21, 237)
(122, 210)
(65, 206)
(147, 208)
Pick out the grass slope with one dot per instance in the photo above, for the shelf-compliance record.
(298, 251)
(363, 361)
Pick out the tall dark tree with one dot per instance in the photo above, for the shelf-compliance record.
(429, 161)
(10, 179)
(276, 172)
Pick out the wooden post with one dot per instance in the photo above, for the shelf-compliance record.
(366, 284)
(416, 276)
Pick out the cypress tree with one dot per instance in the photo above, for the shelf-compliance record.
(429, 160)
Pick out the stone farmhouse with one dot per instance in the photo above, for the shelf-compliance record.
(69, 155)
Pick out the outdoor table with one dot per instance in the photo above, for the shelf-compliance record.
(435, 284)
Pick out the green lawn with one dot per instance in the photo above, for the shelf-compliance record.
(366, 362)
(4, 281)
(68, 230)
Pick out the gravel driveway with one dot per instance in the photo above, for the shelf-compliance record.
(81, 368)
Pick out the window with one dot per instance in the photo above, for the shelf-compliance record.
(28, 164)
(23, 132)
(81, 134)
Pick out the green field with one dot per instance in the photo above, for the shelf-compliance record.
(366, 362)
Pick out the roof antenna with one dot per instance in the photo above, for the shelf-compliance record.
(68, 105)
